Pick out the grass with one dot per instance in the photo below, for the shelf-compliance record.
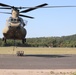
(30, 50)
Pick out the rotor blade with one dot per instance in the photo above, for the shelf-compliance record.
(5, 5)
(4, 8)
(45, 7)
(33, 8)
(58, 6)
(26, 16)
(5, 12)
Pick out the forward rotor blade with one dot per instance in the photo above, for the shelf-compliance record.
(26, 16)
(33, 8)
(5, 12)
(5, 5)
(58, 6)
(19, 15)
(4, 8)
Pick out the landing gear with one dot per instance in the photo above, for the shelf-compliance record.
(23, 41)
(4, 39)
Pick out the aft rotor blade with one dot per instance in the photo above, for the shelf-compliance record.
(26, 16)
(33, 8)
(5, 5)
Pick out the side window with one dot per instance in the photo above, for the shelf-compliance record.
(11, 20)
(8, 21)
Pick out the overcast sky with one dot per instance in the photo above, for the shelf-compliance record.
(48, 21)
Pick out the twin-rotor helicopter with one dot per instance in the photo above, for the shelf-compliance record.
(15, 24)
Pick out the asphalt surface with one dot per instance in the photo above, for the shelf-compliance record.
(38, 62)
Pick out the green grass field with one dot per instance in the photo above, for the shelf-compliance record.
(11, 50)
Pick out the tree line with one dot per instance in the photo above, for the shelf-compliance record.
(64, 41)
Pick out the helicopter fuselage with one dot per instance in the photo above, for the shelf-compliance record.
(14, 30)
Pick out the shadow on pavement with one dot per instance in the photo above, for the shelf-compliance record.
(45, 55)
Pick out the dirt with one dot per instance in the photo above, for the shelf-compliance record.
(37, 72)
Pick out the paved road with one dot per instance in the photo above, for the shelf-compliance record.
(38, 62)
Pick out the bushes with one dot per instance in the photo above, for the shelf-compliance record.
(64, 41)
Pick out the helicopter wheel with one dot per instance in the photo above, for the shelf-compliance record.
(23, 41)
(4, 39)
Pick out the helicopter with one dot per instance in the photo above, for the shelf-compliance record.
(15, 24)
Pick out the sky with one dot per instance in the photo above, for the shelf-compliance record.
(48, 22)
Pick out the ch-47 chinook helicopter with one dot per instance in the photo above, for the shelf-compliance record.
(15, 24)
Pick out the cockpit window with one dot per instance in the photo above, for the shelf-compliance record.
(14, 20)
(11, 19)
